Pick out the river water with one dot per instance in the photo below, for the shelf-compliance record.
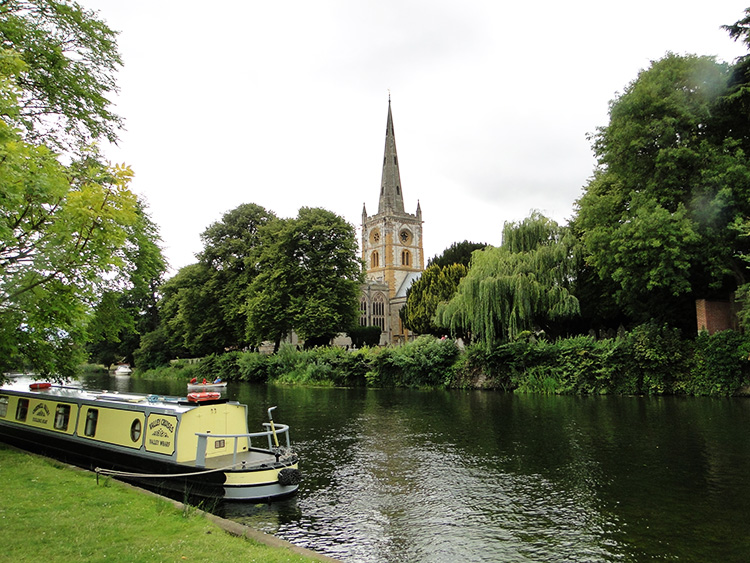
(442, 476)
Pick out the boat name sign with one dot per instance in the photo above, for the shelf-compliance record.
(40, 414)
(160, 437)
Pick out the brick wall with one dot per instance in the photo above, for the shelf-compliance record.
(715, 316)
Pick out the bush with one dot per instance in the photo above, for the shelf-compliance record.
(225, 366)
(719, 365)
(659, 356)
(427, 361)
(253, 367)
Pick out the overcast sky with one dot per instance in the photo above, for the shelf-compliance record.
(284, 104)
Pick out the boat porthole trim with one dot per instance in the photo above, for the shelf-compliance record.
(135, 430)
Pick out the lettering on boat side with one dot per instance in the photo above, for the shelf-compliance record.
(160, 434)
(40, 414)
(163, 422)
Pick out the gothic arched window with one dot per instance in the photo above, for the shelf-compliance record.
(405, 258)
(375, 259)
(378, 311)
(363, 311)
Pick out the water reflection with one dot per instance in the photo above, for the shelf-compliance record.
(401, 475)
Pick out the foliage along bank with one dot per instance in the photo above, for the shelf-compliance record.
(649, 360)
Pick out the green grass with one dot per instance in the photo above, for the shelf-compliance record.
(51, 512)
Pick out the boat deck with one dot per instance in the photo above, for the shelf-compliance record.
(248, 459)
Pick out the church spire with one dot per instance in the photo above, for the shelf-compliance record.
(391, 199)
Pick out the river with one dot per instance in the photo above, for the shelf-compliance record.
(441, 476)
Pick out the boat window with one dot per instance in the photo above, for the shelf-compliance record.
(62, 417)
(135, 430)
(91, 419)
(22, 409)
(3, 406)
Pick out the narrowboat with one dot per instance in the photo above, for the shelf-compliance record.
(196, 446)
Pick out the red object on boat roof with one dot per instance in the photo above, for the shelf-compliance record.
(204, 396)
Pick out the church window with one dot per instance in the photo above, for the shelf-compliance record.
(395, 160)
(398, 190)
(375, 260)
(378, 311)
(363, 311)
(406, 258)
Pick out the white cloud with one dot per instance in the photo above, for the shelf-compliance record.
(284, 104)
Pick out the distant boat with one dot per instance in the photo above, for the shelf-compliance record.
(206, 385)
(123, 369)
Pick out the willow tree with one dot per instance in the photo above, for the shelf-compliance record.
(519, 286)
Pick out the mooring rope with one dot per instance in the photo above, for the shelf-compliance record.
(114, 473)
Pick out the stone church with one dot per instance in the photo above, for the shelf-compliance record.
(391, 250)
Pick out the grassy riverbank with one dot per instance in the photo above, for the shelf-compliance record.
(51, 512)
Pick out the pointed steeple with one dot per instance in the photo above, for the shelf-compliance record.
(391, 198)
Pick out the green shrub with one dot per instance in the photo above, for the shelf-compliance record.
(427, 361)
(659, 355)
(719, 365)
(539, 379)
(224, 366)
(253, 367)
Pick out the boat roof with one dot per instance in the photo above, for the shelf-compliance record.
(75, 392)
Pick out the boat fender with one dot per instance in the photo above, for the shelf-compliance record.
(290, 476)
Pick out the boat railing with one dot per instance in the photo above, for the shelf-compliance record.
(273, 433)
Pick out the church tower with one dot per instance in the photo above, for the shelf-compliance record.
(391, 248)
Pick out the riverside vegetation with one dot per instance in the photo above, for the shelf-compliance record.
(648, 360)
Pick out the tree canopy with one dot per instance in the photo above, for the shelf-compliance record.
(662, 216)
(68, 58)
(63, 227)
(437, 284)
(259, 278)
(309, 279)
(129, 311)
(457, 253)
(519, 286)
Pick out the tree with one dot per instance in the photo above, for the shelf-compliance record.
(122, 316)
(308, 281)
(457, 253)
(191, 313)
(436, 285)
(60, 237)
(69, 58)
(62, 226)
(661, 216)
(232, 251)
(522, 285)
